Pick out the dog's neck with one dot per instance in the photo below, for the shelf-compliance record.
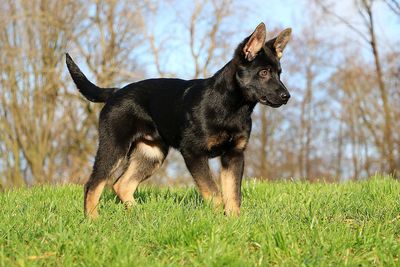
(224, 81)
(225, 78)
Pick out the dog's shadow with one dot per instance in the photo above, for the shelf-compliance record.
(183, 197)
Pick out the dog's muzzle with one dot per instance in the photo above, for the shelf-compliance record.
(275, 104)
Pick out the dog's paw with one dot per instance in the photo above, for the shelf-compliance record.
(232, 211)
(129, 204)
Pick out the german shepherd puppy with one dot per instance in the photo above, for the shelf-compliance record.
(201, 118)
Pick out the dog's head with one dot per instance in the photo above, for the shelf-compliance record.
(258, 67)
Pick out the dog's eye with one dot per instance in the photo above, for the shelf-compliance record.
(264, 73)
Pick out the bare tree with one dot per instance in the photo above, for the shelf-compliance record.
(31, 77)
(366, 14)
(340, 122)
(394, 5)
(48, 135)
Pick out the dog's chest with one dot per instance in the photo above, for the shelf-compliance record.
(223, 141)
(230, 133)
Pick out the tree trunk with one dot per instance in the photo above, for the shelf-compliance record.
(387, 135)
(264, 145)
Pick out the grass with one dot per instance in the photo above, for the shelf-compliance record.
(283, 223)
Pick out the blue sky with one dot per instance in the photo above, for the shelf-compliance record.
(276, 14)
(291, 12)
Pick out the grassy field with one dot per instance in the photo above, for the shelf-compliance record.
(285, 224)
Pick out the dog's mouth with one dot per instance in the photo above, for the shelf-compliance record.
(264, 100)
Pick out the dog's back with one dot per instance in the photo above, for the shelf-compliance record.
(166, 101)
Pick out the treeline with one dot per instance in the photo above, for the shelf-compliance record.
(342, 121)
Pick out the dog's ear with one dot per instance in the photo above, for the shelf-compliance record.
(279, 43)
(255, 43)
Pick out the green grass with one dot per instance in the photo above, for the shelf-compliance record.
(285, 224)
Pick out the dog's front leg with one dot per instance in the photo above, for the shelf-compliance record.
(231, 181)
(198, 167)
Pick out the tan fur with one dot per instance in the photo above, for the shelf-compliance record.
(148, 137)
(216, 140)
(92, 198)
(113, 171)
(150, 151)
(241, 143)
(126, 184)
(230, 192)
(209, 191)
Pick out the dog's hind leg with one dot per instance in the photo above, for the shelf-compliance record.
(105, 163)
(145, 158)
(112, 152)
(198, 167)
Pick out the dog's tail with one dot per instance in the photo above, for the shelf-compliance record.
(88, 89)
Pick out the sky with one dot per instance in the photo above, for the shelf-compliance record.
(291, 13)
(276, 14)
(280, 14)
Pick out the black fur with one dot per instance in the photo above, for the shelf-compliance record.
(88, 89)
(201, 118)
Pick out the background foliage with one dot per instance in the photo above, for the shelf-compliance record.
(342, 68)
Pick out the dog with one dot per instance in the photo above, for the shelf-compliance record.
(201, 118)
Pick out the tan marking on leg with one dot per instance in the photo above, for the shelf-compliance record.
(217, 201)
(209, 191)
(217, 139)
(92, 197)
(116, 165)
(241, 143)
(137, 171)
(230, 192)
(149, 151)
(198, 167)
(126, 185)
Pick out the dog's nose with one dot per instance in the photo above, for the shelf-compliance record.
(285, 96)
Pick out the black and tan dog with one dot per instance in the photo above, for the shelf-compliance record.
(202, 118)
